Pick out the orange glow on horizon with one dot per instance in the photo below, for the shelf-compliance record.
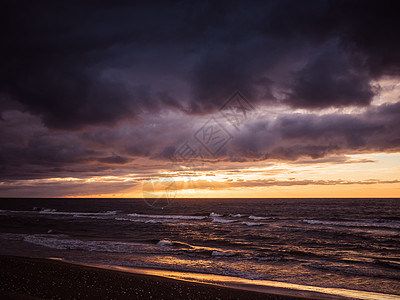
(358, 176)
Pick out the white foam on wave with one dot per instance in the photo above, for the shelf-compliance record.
(252, 224)
(164, 243)
(44, 210)
(221, 220)
(139, 220)
(258, 218)
(151, 221)
(176, 217)
(236, 215)
(213, 214)
(111, 212)
(65, 242)
(317, 222)
(62, 242)
(78, 214)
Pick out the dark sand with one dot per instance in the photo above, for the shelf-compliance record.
(33, 278)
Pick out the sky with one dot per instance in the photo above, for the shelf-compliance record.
(200, 99)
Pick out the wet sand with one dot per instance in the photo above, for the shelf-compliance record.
(34, 278)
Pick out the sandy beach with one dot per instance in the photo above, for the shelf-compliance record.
(33, 278)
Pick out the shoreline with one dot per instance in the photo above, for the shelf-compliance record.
(17, 274)
(224, 281)
(263, 286)
(40, 278)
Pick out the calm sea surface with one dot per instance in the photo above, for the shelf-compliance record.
(345, 243)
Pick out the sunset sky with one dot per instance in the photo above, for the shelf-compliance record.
(270, 99)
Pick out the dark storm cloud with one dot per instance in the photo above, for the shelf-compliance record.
(317, 54)
(78, 64)
(293, 136)
(115, 159)
(87, 89)
(32, 151)
(371, 27)
(60, 61)
(330, 79)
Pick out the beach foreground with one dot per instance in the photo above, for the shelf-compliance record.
(33, 278)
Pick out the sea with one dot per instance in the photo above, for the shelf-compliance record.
(348, 244)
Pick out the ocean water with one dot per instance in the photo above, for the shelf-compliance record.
(332, 243)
